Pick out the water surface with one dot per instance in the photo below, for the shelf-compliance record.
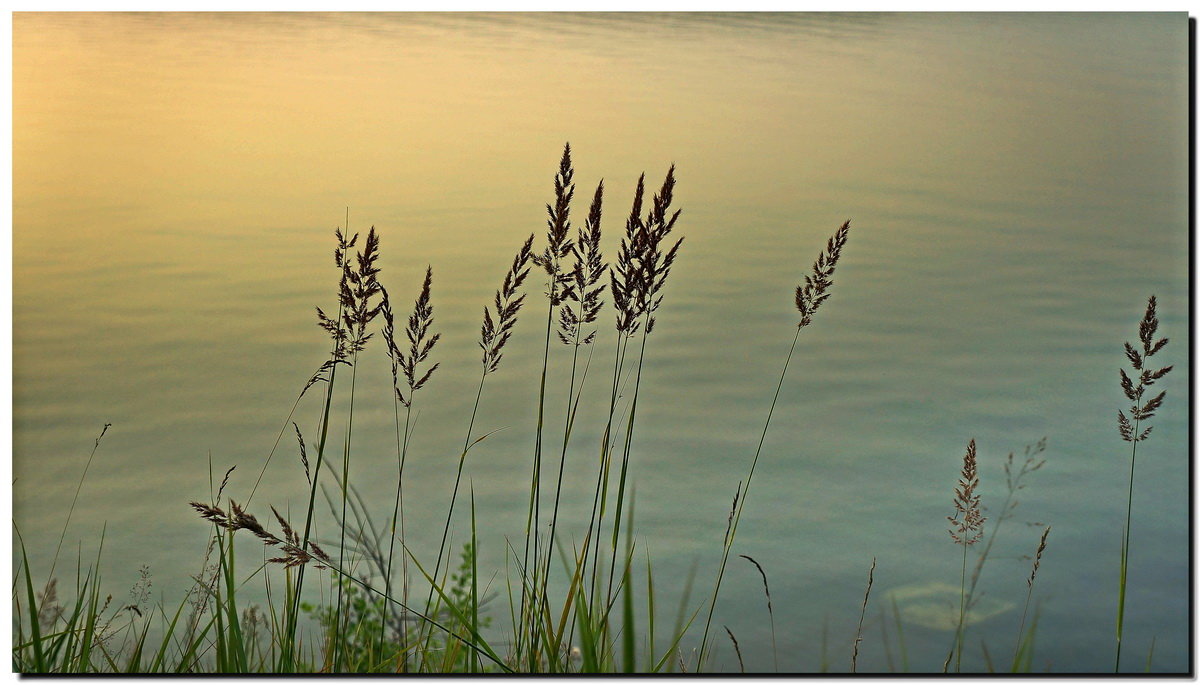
(1017, 185)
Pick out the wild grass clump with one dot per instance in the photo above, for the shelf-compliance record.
(385, 607)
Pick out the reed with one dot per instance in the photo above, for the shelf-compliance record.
(338, 333)
(644, 263)
(810, 295)
(494, 335)
(1141, 409)
(558, 247)
(421, 343)
(585, 289)
(968, 523)
(358, 311)
(1014, 480)
(1022, 644)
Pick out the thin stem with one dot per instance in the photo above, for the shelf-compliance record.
(572, 407)
(457, 480)
(337, 626)
(599, 500)
(294, 612)
(398, 513)
(637, 384)
(275, 446)
(738, 516)
(532, 523)
(1125, 548)
(962, 607)
(75, 499)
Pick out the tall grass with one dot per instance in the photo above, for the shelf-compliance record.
(577, 601)
(1141, 409)
(968, 523)
(810, 295)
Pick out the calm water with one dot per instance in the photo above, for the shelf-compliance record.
(1017, 184)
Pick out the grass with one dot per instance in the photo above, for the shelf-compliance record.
(562, 607)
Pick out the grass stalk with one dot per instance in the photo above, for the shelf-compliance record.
(809, 297)
(1141, 409)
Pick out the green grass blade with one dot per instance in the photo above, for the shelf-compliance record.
(39, 659)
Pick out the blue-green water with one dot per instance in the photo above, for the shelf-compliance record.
(1017, 186)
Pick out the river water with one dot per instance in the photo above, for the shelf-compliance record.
(1017, 186)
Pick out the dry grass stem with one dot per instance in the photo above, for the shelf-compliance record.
(861, 616)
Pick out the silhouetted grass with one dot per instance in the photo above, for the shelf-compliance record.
(583, 622)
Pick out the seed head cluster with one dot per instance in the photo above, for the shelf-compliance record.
(583, 285)
(968, 515)
(497, 329)
(643, 260)
(815, 289)
(420, 342)
(239, 519)
(558, 229)
(357, 289)
(1142, 409)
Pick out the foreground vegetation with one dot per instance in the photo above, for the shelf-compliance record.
(570, 607)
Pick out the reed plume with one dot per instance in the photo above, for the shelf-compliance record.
(497, 329)
(583, 280)
(296, 552)
(642, 265)
(558, 230)
(421, 343)
(303, 454)
(1014, 477)
(1131, 430)
(1142, 410)
(335, 326)
(815, 289)
(360, 286)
